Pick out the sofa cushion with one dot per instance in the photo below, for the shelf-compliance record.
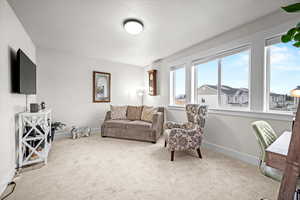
(118, 112)
(139, 125)
(148, 112)
(116, 123)
(127, 124)
(134, 112)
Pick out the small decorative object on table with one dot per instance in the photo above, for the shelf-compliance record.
(43, 105)
(34, 107)
(80, 132)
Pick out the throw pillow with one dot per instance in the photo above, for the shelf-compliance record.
(148, 112)
(134, 112)
(118, 112)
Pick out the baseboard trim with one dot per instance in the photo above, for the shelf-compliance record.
(7, 179)
(232, 153)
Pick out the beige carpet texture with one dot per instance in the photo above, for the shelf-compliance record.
(113, 169)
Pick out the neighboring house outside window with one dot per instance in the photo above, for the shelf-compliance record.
(207, 83)
(229, 95)
(223, 82)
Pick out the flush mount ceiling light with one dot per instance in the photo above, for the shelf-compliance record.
(133, 26)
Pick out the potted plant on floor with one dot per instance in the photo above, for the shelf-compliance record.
(55, 126)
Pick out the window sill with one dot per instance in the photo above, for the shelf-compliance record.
(244, 113)
(254, 114)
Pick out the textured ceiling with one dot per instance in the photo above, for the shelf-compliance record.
(93, 28)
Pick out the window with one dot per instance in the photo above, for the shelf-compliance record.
(223, 81)
(178, 95)
(283, 67)
(207, 83)
(234, 79)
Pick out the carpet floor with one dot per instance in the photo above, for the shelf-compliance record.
(112, 169)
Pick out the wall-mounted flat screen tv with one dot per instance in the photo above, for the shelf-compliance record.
(24, 75)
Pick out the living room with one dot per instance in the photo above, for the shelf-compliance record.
(124, 82)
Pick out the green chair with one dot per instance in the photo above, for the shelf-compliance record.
(265, 136)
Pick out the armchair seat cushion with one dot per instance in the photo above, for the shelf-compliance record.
(187, 125)
(181, 139)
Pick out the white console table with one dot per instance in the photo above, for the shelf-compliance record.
(34, 137)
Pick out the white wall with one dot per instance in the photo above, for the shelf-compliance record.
(65, 84)
(12, 37)
(229, 132)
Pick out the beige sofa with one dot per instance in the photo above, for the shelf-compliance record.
(136, 130)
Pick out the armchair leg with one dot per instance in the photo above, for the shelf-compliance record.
(172, 155)
(199, 153)
(165, 143)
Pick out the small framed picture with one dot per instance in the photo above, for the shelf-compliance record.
(152, 82)
(101, 87)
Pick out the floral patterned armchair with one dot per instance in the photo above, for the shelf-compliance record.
(186, 136)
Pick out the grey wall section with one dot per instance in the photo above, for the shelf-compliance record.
(12, 37)
(230, 133)
(65, 84)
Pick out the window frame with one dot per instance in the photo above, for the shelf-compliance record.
(172, 84)
(269, 42)
(218, 57)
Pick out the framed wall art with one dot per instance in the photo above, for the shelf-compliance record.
(152, 82)
(101, 87)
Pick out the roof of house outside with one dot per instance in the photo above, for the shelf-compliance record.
(225, 89)
(229, 90)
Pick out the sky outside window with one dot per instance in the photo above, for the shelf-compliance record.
(284, 67)
(284, 76)
(180, 86)
(207, 82)
(207, 73)
(235, 70)
(234, 80)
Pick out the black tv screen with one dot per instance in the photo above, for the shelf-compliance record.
(24, 75)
